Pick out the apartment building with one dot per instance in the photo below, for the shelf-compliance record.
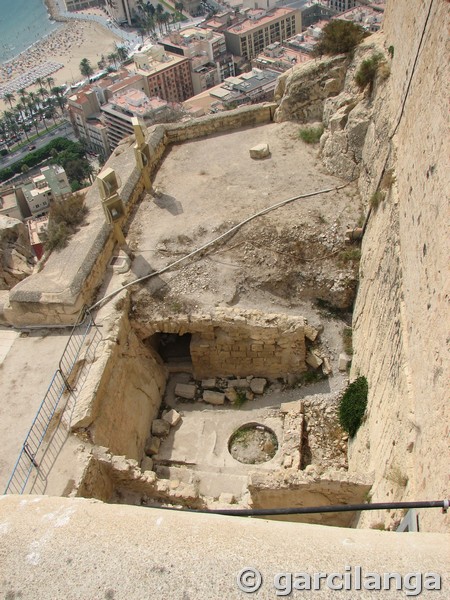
(280, 58)
(166, 75)
(206, 50)
(260, 29)
(85, 112)
(51, 184)
(248, 88)
(121, 10)
(119, 111)
(85, 116)
(342, 5)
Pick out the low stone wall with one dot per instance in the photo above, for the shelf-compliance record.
(236, 342)
(296, 489)
(122, 394)
(70, 277)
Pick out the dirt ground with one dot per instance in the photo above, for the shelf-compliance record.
(292, 260)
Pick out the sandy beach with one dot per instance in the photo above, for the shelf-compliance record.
(67, 46)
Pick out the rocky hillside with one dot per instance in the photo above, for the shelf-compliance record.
(16, 259)
(391, 136)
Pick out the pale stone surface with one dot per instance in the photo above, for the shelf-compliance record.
(313, 360)
(327, 369)
(226, 498)
(160, 428)
(260, 151)
(152, 445)
(343, 363)
(231, 394)
(172, 417)
(213, 397)
(186, 538)
(185, 390)
(311, 332)
(257, 385)
(209, 383)
(239, 383)
(15, 252)
(147, 464)
(302, 91)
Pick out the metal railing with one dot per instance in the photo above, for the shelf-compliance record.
(55, 398)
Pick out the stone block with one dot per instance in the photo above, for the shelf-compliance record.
(152, 445)
(238, 383)
(260, 151)
(160, 428)
(213, 397)
(326, 366)
(258, 384)
(185, 390)
(311, 333)
(313, 360)
(172, 417)
(147, 464)
(231, 394)
(344, 362)
(226, 498)
(209, 384)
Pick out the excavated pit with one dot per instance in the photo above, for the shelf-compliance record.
(241, 320)
(253, 443)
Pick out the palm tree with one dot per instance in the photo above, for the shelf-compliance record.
(121, 52)
(50, 110)
(58, 91)
(165, 19)
(32, 100)
(50, 82)
(4, 130)
(42, 93)
(85, 68)
(32, 109)
(39, 81)
(9, 97)
(20, 108)
(112, 58)
(159, 16)
(41, 113)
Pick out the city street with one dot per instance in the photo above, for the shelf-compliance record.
(63, 130)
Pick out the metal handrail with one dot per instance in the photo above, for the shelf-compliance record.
(58, 386)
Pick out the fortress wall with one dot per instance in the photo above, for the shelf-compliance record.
(401, 318)
(70, 277)
(123, 393)
(232, 342)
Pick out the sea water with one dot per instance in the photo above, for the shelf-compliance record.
(22, 23)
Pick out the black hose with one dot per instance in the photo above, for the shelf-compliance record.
(259, 512)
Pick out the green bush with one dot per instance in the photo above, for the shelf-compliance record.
(367, 71)
(353, 405)
(339, 37)
(64, 218)
(311, 135)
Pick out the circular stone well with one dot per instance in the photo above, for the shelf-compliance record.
(253, 443)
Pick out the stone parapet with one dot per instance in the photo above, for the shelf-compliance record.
(70, 276)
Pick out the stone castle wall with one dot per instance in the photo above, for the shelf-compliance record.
(123, 392)
(401, 321)
(71, 276)
(230, 342)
